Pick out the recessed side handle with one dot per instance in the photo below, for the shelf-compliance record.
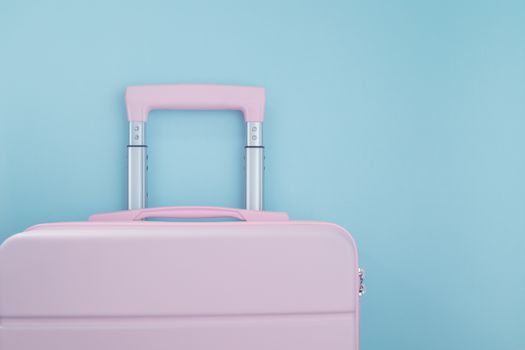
(190, 213)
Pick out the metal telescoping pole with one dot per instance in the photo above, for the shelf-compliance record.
(137, 157)
(137, 154)
(254, 166)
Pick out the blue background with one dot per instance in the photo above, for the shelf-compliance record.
(403, 121)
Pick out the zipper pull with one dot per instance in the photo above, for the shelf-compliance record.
(362, 288)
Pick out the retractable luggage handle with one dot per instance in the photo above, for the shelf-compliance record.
(140, 100)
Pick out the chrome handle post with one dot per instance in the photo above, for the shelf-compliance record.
(137, 156)
(254, 166)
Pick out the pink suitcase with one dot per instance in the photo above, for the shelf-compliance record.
(121, 282)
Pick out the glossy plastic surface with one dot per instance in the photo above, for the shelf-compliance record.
(193, 286)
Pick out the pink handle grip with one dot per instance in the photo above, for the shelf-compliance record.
(140, 100)
(190, 213)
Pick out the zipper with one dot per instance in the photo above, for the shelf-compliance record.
(362, 288)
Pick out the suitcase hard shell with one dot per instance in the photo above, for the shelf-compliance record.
(120, 282)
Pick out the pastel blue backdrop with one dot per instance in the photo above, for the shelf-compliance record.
(403, 121)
